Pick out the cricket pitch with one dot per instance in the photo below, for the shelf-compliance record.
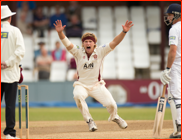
(79, 130)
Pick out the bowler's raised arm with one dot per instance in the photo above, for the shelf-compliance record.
(120, 37)
(59, 28)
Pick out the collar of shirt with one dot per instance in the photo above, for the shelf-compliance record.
(83, 49)
(179, 22)
(5, 22)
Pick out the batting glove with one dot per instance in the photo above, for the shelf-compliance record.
(165, 78)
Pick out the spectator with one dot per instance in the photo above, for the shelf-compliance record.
(43, 63)
(25, 28)
(74, 9)
(57, 16)
(31, 4)
(41, 22)
(29, 14)
(74, 28)
(38, 52)
(25, 18)
(59, 54)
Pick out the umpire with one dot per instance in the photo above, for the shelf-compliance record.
(12, 52)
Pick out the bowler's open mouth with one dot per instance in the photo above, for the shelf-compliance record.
(88, 48)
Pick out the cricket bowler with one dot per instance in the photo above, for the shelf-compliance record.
(89, 59)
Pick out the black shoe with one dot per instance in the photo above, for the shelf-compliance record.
(177, 134)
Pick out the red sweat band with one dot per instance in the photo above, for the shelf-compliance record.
(89, 37)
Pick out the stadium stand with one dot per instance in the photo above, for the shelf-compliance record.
(139, 44)
(45, 10)
(153, 24)
(58, 71)
(91, 31)
(155, 66)
(109, 66)
(27, 62)
(105, 22)
(154, 37)
(153, 17)
(28, 76)
(89, 17)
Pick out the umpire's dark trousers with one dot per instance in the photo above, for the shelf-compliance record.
(10, 91)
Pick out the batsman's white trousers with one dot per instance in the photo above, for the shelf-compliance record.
(175, 87)
(100, 93)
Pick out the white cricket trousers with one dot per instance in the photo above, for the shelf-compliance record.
(101, 94)
(175, 87)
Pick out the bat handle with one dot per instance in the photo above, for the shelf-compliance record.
(164, 90)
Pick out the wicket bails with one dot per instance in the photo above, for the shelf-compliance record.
(26, 109)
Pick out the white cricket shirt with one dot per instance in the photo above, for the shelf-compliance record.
(12, 52)
(175, 39)
(90, 70)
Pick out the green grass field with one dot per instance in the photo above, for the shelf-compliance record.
(63, 114)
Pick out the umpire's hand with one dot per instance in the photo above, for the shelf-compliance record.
(3, 65)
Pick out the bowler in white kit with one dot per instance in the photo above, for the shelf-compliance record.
(89, 59)
(172, 74)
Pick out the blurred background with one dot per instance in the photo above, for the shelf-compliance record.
(131, 71)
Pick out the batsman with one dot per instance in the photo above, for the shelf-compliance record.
(172, 74)
(89, 59)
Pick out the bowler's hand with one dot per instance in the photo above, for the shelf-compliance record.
(127, 26)
(58, 26)
(165, 78)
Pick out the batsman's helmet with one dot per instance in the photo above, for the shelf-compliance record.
(173, 9)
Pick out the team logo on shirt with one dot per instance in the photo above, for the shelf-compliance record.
(88, 66)
(77, 47)
(104, 45)
(4, 34)
(83, 57)
(172, 38)
(95, 56)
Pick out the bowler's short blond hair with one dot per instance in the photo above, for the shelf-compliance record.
(89, 35)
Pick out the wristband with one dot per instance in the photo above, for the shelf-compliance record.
(167, 68)
(66, 42)
(124, 32)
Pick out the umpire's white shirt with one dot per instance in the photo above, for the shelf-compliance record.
(175, 39)
(90, 70)
(12, 52)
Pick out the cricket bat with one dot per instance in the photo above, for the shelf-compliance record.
(159, 116)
